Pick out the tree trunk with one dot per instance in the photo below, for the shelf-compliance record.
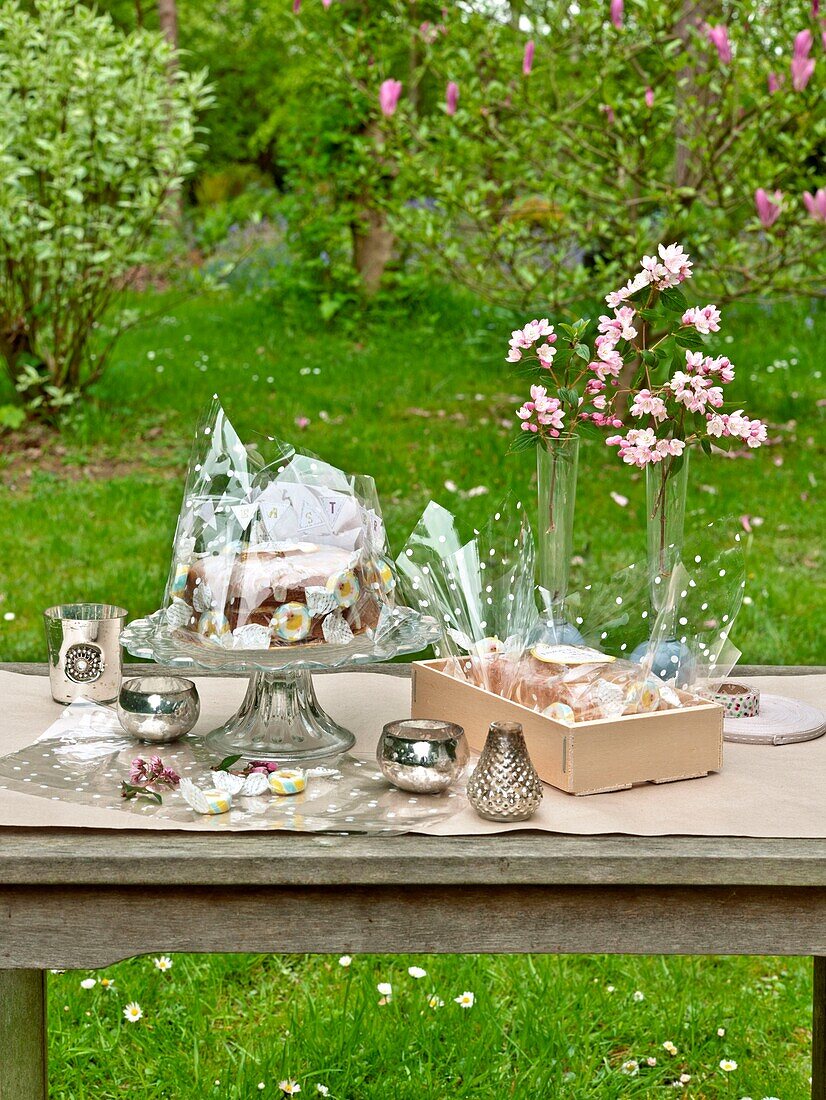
(168, 19)
(373, 244)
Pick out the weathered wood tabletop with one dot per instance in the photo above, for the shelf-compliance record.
(72, 898)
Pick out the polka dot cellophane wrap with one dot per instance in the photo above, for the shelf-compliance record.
(85, 755)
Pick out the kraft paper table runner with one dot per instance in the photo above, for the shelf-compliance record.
(763, 791)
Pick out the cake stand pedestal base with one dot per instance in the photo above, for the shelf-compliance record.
(280, 719)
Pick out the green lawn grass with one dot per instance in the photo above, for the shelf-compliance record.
(420, 401)
(423, 401)
(540, 1027)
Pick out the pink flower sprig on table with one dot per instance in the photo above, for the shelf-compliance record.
(542, 412)
(552, 414)
(678, 392)
(652, 338)
(145, 776)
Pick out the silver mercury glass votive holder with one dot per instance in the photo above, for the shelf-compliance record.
(85, 657)
(423, 755)
(504, 785)
(158, 709)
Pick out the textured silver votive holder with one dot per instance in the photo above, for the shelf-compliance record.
(423, 755)
(85, 657)
(504, 785)
(159, 709)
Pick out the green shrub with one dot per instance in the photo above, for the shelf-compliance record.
(97, 131)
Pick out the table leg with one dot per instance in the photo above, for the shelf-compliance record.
(819, 1029)
(23, 1035)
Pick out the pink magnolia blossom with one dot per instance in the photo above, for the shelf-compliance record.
(768, 208)
(326, 3)
(803, 42)
(802, 65)
(296, 6)
(302, 422)
(816, 204)
(389, 94)
(616, 13)
(704, 320)
(452, 97)
(718, 37)
(773, 82)
(527, 59)
(649, 97)
(802, 70)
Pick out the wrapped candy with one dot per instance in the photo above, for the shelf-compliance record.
(274, 548)
(631, 660)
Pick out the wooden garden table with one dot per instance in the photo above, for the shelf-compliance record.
(77, 898)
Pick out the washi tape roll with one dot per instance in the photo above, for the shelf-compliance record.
(737, 700)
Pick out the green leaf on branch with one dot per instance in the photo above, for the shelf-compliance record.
(691, 340)
(569, 396)
(673, 300)
(583, 352)
(523, 442)
(705, 443)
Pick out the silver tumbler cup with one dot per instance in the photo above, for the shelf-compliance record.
(85, 657)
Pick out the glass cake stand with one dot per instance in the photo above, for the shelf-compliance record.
(280, 718)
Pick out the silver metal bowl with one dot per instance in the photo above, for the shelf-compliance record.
(423, 755)
(159, 709)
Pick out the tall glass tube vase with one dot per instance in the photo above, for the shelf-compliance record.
(556, 470)
(666, 484)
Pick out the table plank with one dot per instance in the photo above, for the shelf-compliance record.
(111, 924)
(69, 856)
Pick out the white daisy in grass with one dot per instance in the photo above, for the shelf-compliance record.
(416, 972)
(88, 983)
(651, 1061)
(465, 1000)
(345, 961)
(133, 1012)
(163, 963)
(721, 1031)
(322, 1090)
(728, 1065)
(630, 1068)
(261, 1086)
(385, 988)
(669, 1047)
(290, 1087)
(108, 984)
(685, 1078)
(435, 1002)
(610, 989)
(639, 995)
